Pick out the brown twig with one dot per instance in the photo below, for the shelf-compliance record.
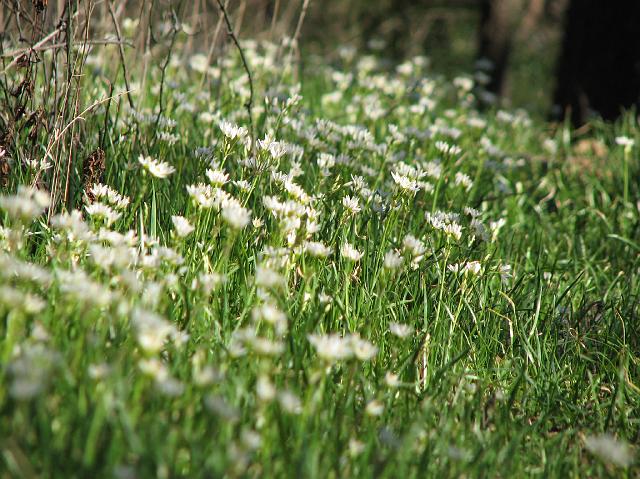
(121, 51)
(249, 104)
(60, 45)
(13, 63)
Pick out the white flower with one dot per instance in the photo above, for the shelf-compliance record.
(111, 196)
(400, 330)
(152, 331)
(207, 282)
(199, 62)
(154, 368)
(609, 449)
(235, 215)
(157, 168)
(331, 347)
(231, 130)
(392, 260)
(26, 204)
(413, 246)
(363, 349)
(102, 211)
(356, 447)
(272, 315)
(317, 249)
(265, 389)
(453, 229)
(182, 226)
(268, 278)
(217, 177)
(374, 408)
(505, 273)
(392, 380)
(290, 402)
(350, 253)
(473, 267)
(464, 180)
(447, 149)
(326, 161)
(625, 141)
(405, 183)
(352, 204)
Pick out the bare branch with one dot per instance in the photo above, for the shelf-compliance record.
(249, 104)
(121, 50)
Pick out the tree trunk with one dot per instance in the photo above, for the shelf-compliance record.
(599, 67)
(496, 39)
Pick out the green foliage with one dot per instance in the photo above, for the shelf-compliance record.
(395, 285)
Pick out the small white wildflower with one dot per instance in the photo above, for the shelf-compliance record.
(392, 260)
(98, 371)
(392, 380)
(152, 331)
(326, 161)
(454, 230)
(474, 213)
(349, 252)
(473, 267)
(400, 330)
(625, 141)
(243, 185)
(331, 347)
(374, 408)
(157, 168)
(217, 177)
(272, 315)
(199, 62)
(268, 278)
(317, 249)
(610, 450)
(446, 149)
(154, 367)
(464, 181)
(356, 447)
(111, 196)
(182, 226)
(265, 347)
(235, 215)
(363, 349)
(413, 246)
(290, 402)
(26, 204)
(104, 212)
(505, 273)
(352, 204)
(405, 183)
(265, 389)
(208, 282)
(231, 130)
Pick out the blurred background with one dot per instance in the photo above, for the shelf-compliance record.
(556, 58)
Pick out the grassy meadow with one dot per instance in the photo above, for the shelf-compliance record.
(367, 277)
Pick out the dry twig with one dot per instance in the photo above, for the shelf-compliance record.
(249, 104)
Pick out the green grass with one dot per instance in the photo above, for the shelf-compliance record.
(117, 358)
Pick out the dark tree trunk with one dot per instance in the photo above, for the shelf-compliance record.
(495, 41)
(599, 66)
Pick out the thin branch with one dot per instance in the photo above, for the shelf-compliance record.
(249, 104)
(58, 30)
(60, 45)
(121, 50)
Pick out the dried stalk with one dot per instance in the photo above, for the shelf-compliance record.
(121, 51)
(249, 104)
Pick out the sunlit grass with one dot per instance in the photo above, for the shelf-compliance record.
(395, 285)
